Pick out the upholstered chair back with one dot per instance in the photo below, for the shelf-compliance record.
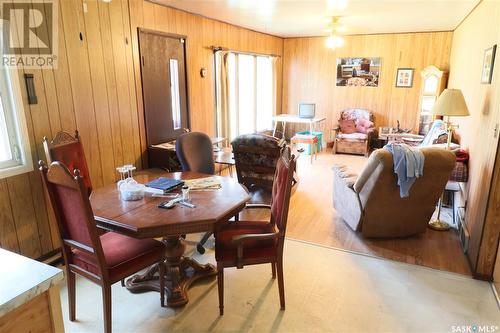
(282, 187)
(69, 151)
(255, 156)
(195, 152)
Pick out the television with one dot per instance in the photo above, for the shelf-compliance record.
(307, 110)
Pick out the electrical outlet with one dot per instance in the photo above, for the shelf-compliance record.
(85, 9)
(495, 135)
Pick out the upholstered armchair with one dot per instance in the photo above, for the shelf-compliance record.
(354, 132)
(371, 203)
(255, 156)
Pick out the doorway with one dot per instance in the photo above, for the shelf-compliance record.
(164, 85)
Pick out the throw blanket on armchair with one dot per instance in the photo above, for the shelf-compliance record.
(408, 165)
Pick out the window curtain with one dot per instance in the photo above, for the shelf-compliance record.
(275, 84)
(222, 103)
(228, 77)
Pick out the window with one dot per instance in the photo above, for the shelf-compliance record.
(14, 145)
(174, 93)
(245, 93)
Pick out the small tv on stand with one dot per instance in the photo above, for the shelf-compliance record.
(307, 110)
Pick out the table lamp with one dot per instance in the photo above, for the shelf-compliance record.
(451, 103)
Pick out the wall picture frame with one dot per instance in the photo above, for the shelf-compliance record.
(358, 72)
(404, 77)
(488, 63)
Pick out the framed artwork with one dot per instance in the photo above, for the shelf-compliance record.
(358, 72)
(404, 78)
(488, 62)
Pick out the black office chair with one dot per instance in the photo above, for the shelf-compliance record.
(195, 153)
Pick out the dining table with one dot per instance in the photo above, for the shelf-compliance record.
(144, 219)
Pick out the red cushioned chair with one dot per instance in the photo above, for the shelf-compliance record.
(251, 242)
(104, 259)
(68, 150)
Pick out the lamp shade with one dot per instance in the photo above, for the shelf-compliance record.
(451, 102)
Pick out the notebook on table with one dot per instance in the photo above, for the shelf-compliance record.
(165, 184)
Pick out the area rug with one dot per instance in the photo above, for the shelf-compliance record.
(327, 290)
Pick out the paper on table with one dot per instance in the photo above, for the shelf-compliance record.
(212, 183)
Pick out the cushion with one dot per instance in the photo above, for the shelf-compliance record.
(352, 136)
(73, 217)
(347, 126)
(73, 157)
(363, 125)
(123, 255)
(355, 114)
(225, 249)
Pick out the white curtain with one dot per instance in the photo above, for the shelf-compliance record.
(246, 87)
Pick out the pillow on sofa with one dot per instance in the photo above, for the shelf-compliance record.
(347, 126)
(363, 125)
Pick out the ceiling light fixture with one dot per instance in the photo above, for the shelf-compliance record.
(337, 4)
(335, 40)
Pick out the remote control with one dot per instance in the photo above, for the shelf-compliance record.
(169, 204)
(187, 204)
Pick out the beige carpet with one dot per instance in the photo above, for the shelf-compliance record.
(326, 290)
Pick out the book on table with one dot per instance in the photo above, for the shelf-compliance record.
(165, 184)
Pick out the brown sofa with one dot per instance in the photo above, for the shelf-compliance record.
(371, 204)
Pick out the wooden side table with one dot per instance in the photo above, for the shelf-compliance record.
(225, 156)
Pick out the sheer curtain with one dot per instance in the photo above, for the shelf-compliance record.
(246, 93)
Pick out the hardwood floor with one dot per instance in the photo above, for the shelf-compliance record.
(313, 219)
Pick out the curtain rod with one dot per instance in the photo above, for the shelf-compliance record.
(220, 48)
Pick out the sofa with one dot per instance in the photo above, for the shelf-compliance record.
(370, 203)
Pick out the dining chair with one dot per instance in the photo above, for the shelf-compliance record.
(251, 242)
(195, 153)
(68, 149)
(104, 259)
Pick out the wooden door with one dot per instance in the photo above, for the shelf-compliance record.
(164, 85)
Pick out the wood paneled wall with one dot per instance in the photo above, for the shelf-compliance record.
(92, 90)
(97, 90)
(202, 34)
(478, 131)
(310, 74)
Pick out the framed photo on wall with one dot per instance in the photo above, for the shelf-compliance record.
(358, 72)
(404, 77)
(488, 63)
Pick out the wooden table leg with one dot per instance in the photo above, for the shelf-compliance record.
(180, 273)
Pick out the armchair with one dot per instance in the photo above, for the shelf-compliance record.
(370, 202)
(255, 156)
(354, 132)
